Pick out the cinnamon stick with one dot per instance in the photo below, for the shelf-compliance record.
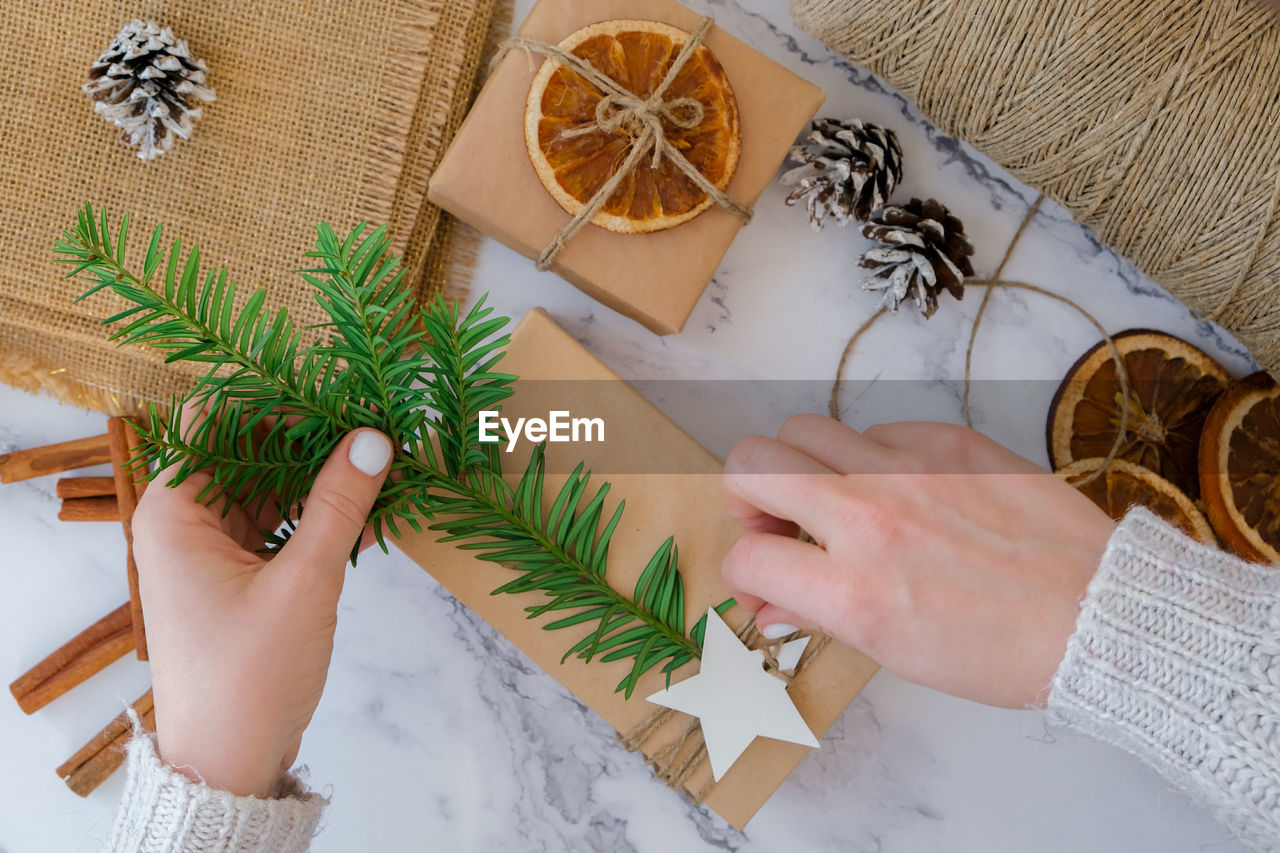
(123, 440)
(86, 487)
(52, 458)
(90, 651)
(104, 753)
(103, 508)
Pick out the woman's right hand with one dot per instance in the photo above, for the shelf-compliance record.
(953, 562)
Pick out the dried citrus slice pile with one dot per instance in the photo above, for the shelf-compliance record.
(1172, 386)
(1125, 484)
(574, 166)
(1240, 468)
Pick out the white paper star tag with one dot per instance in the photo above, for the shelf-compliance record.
(735, 699)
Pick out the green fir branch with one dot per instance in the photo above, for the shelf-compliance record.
(251, 466)
(420, 376)
(563, 554)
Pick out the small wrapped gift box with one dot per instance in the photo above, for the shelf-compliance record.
(558, 374)
(487, 178)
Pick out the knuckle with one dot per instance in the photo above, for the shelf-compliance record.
(145, 550)
(869, 603)
(748, 456)
(870, 524)
(879, 433)
(911, 463)
(148, 526)
(853, 605)
(870, 612)
(145, 515)
(953, 441)
(909, 460)
(797, 427)
(339, 504)
(736, 568)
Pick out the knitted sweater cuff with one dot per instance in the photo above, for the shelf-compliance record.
(165, 812)
(1176, 658)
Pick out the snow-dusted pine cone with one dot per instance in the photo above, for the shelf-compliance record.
(925, 250)
(848, 168)
(148, 85)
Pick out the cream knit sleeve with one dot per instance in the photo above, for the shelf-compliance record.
(1176, 658)
(165, 812)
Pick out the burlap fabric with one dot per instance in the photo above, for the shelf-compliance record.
(326, 111)
(1155, 123)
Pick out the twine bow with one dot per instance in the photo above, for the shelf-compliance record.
(619, 110)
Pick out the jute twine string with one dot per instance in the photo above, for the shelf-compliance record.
(620, 108)
(1124, 400)
(676, 762)
(1156, 124)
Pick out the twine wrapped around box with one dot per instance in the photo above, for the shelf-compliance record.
(1157, 124)
(676, 762)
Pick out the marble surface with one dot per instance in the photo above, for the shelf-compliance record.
(434, 733)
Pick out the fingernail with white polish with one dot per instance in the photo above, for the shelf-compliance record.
(778, 630)
(370, 452)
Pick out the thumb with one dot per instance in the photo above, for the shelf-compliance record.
(337, 508)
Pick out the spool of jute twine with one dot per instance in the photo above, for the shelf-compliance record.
(620, 108)
(676, 762)
(1157, 124)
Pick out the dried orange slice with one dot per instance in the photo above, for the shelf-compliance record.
(1172, 386)
(1240, 468)
(636, 55)
(1125, 484)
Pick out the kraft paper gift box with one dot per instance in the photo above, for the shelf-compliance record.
(556, 373)
(486, 178)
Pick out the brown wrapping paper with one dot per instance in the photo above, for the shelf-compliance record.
(486, 180)
(687, 505)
